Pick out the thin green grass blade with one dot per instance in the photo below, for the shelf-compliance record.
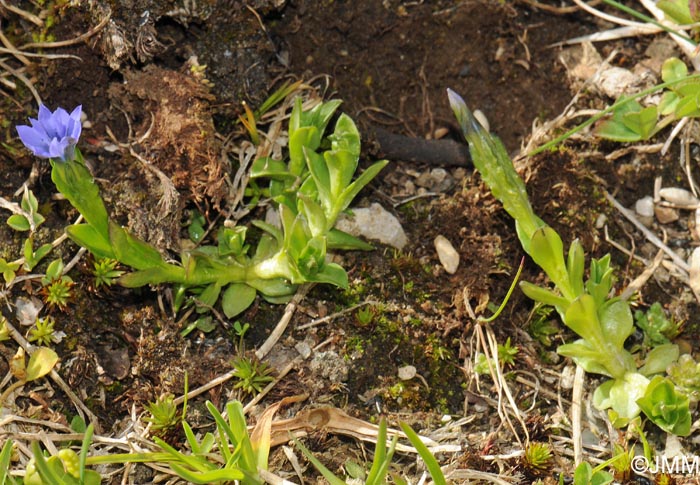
(87, 439)
(327, 474)
(194, 462)
(5, 456)
(379, 454)
(224, 432)
(430, 461)
(204, 478)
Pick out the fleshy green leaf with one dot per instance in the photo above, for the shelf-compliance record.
(75, 182)
(616, 322)
(659, 358)
(677, 10)
(673, 69)
(86, 236)
(333, 274)
(496, 168)
(667, 408)
(547, 250)
(337, 239)
(270, 168)
(617, 130)
(622, 394)
(575, 266)
(668, 103)
(354, 188)
(688, 105)
(132, 251)
(543, 295)
(18, 222)
(642, 122)
(237, 298)
(207, 298)
(584, 355)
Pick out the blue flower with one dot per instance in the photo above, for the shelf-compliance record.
(53, 135)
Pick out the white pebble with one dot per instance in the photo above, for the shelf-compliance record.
(679, 197)
(407, 372)
(645, 206)
(449, 257)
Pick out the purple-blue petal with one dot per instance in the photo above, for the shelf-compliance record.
(56, 149)
(53, 134)
(29, 136)
(73, 129)
(61, 117)
(44, 113)
(77, 112)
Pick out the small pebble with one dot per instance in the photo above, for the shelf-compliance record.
(374, 222)
(600, 221)
(679, 197)
(28, 310)
(407, 372)
(665, 215)
(304, 349)
(645, 206)
(449, 257)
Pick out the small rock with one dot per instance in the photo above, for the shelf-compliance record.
(600, 221)
(374, 222)
(407, 372)
(28, 310)
(679, 197)
(437, 180)
(645, 206)
(674, 447)
(449, 257)
(304, 349)
(616, 81)
(331, 366)
(665, 215)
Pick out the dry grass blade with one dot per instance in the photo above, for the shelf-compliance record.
(651, 237)
(284, 321)
(336, 421)
(22, 13)
(64, 43)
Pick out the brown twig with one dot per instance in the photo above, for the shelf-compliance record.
(64, 43)
(284, 321)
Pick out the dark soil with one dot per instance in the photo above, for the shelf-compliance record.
(391, 63)
(143, 84)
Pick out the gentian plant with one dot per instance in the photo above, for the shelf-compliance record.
(309, 191)
(586, 306)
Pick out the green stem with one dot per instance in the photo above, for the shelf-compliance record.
(609, 110)
(649, 20)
